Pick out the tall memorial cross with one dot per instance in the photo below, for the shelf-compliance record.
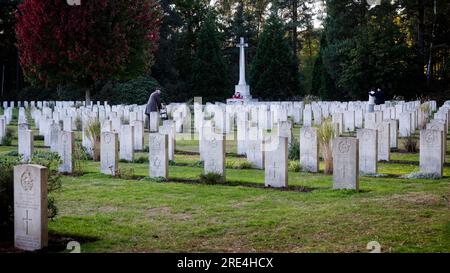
(242, 47)
(242, 88)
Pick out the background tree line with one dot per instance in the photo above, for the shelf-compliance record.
(400, 46)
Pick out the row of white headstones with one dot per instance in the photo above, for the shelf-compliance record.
(268, 151)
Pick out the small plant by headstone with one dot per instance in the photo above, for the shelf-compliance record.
(8, 137)
(93, 132)
(294, 166)
(46, 159)
(78, 124)
(238, 164)
(199, 164)
(294, 149)
(79, 157)
(141, 159)
(38, 137)
(172, 163)
(51, 161)
(326, 134)
(126, 173)
(410, 144)
(211, 179)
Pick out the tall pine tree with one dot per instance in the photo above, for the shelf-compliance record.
(210, 79)
(274, 73)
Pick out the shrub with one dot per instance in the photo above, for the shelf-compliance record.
(51, 161)
(172, 163)
(238, 164)
(211, 179)
(326, 135)
(294, 149)
(78, 124)
(93, 132)
(7, 196)
(140, 160)
(294, 166)
(13, 153)
(8, 137)
(410, 144)
(38, 137)
(134, 91)
(199, 164)
(125, 173)
(308, 99)
(46, 159)
(80, 155)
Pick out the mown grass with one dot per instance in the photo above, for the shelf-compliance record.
(114, 215)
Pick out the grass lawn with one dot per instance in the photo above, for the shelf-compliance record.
(114, 215)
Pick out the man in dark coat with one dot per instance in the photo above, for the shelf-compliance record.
(154, 103)
(379, 97)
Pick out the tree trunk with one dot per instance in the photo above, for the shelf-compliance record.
(294, 26)
(88, 96)
(421, 29)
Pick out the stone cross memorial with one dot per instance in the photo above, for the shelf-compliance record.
(242, 87)
(30, 207)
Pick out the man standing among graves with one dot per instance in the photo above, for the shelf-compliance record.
(154, 103)
(379, 97)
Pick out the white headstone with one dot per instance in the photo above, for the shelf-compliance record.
(214, 156)
(109, 155)
(393, 127)
(349, 121)
(154, 121)
(405, 124)
(127, 143)
(66, 142)
(54, 137)
(309, 149)
(158, 155)
(345, 163)
(384, 137)
(276, 164)
(25, 143)
(431, 160)
(168, 128)
(368, 150)
(138, 126)
(255, 151)
(30, 207)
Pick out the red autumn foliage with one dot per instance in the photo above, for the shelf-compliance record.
(99, 40)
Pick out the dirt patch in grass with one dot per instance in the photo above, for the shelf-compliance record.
(167, 212)
(417, 198)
